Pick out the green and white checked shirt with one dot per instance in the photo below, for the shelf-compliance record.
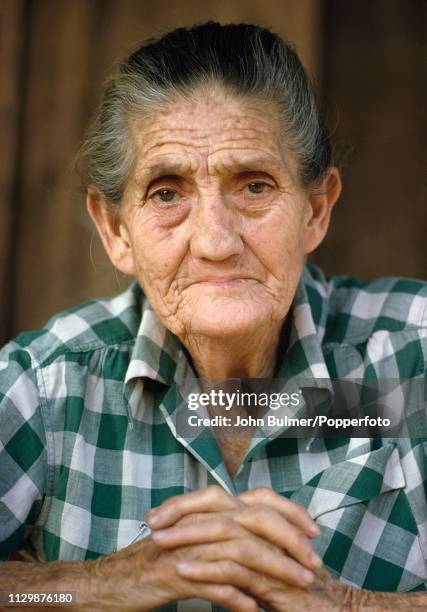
(88, 442)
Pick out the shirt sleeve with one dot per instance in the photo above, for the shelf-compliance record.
(23, 457)
(413, 451)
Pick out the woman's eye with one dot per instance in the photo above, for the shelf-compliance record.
(258, 187)
(164, 195)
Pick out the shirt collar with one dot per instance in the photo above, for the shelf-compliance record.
(156, 351)
(304, 357)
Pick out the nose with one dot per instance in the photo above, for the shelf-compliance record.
(215, 230)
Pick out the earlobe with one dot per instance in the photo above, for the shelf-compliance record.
(321, 202)
(112, 231)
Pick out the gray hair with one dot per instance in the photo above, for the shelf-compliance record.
(246, 60)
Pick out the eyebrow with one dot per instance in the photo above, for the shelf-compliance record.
(162, 168)
(260, 164)
(234, 165)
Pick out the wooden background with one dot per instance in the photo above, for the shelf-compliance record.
(366, 57)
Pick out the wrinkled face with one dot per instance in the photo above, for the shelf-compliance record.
(215, 215)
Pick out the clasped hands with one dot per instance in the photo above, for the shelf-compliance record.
(242, 553)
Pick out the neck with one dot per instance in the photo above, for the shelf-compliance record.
(244, 356)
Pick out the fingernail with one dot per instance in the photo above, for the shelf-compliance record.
(307, 577)
(183, 566)
(316, 561)
(159, 535)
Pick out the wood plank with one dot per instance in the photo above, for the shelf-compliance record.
(12, 34)
(374, 82)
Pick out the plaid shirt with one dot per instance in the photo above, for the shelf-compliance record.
(88, 441)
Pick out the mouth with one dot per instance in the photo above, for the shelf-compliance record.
(234, 281)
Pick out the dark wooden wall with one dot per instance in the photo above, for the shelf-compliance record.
(375, 90)
(366, 58)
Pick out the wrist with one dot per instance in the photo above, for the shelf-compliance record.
(382, 600)
(344, 596)
(75, 577)
(110, 580)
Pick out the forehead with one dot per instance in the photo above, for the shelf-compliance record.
(212, 128)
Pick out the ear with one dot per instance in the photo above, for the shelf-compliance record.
(112, 231)
(319, 210)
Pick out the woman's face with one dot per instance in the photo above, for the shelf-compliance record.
(214, 216)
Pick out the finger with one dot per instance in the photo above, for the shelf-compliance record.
(210, 499)
(219, 528)
(255, 554)
(293, 512)
(270, 525)
(263, 559)
(197, 517)
(217, 571)
(262, 524)
(232, 573)
(226, 596)
(257, 519)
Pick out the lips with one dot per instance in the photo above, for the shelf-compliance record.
(222, 281)
(228, 279)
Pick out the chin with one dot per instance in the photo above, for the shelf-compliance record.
(225, 321)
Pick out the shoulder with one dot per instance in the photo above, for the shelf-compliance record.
(92, 325)
(377, 328)
(355, 310)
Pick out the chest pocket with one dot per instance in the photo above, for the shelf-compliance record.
(369, 536)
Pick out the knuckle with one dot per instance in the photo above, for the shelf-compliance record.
(197, 517)
(214, 491)
(229, 567)
(300, 540)
(214, 488)
(225, 524)
(247, 547)
(262, 492)
(189, 519)
(171, 501)
(262, 513)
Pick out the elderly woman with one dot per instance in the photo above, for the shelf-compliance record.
(210, 179)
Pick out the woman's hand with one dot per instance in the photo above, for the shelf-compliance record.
(142, 577)
(233, 551)
(257, 542)
(325, 594)
(261, 523)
